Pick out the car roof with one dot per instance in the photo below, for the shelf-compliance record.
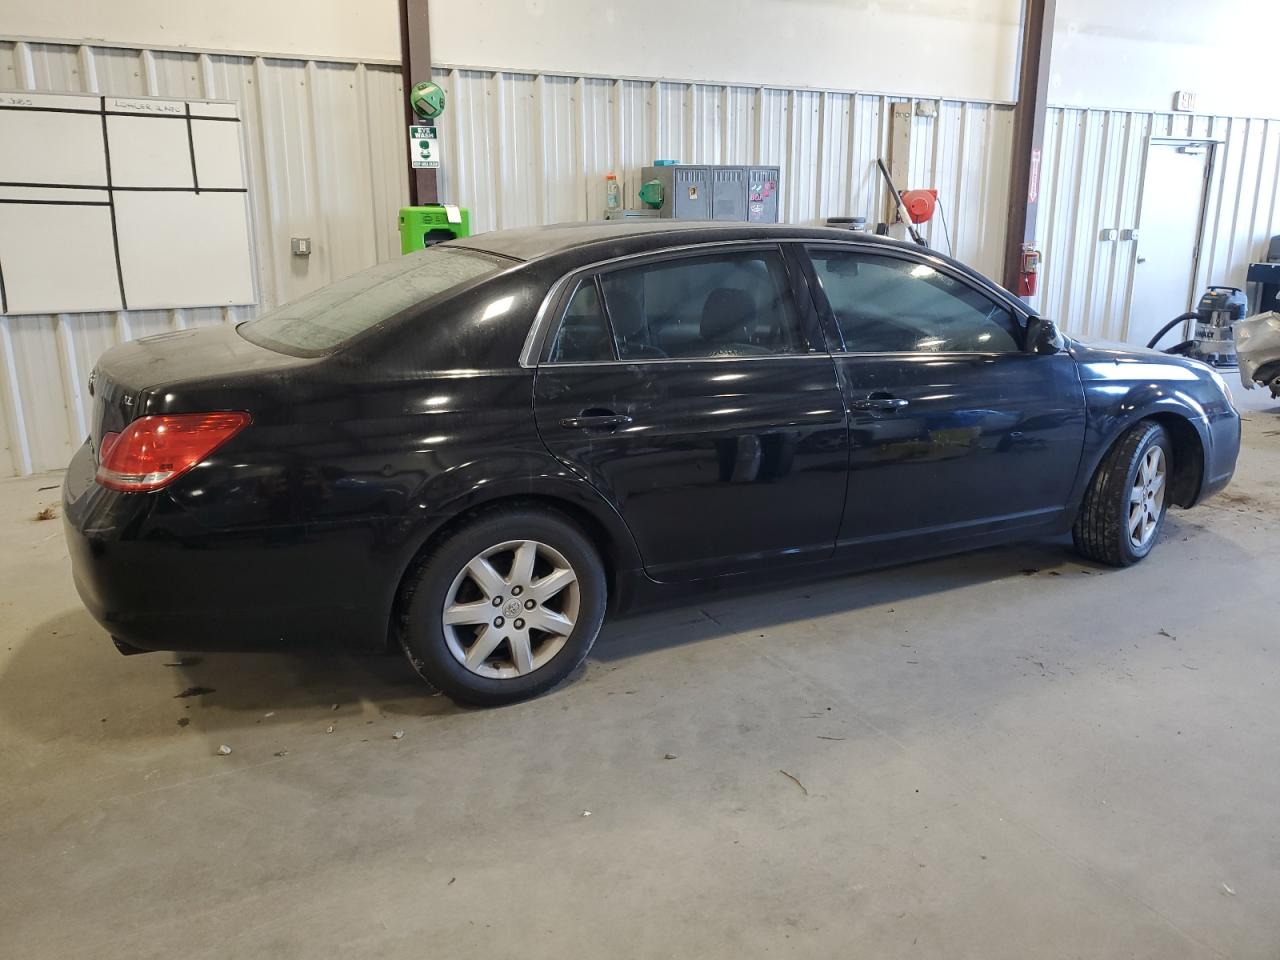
(533, 243)
(572, 245)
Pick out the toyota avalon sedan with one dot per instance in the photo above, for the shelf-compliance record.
(475, 452)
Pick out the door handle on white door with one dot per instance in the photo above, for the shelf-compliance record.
(1142, 259)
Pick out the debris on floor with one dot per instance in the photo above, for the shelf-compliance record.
(184, 721)
(398, 735)
(670, 756)
(48, 513)
(586, 813)
(821, 737)
(269, 713)
(1165, 633)
(329, 728)
(194, 692)
(796, 780)
(281, 753)
(1227, 890)
(224, 751)
(334, 707)
(185, 662)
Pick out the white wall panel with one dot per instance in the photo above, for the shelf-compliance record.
(959, 48)
(1133, 56)
(1091, 179)
(328, 29)
(324, 153)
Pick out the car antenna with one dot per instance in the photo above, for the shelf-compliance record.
(897, 199)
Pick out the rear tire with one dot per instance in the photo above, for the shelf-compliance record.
(1124, 508)
(505, 608)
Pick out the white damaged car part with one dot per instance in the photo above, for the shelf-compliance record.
(1258, 350)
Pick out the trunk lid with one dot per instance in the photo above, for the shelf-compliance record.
(206, 369)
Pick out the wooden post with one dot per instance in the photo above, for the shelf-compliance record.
(900, 119)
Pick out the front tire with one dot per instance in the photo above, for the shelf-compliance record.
(505, 608)
(1124, 508)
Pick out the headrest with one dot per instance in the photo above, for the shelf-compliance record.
(626, 314)
(726, 315)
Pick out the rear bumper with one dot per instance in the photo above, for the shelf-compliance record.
(155, 578)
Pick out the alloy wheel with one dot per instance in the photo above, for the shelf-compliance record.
(1146, 499)
(511, 609)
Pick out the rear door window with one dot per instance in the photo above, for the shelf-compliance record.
(584, 335)
(735, 304)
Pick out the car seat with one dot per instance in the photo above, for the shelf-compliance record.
(728, 316)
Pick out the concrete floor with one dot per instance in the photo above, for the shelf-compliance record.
(1006, 754)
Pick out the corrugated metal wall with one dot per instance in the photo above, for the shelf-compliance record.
(522, 149)
(1091, 179)
(324, 149)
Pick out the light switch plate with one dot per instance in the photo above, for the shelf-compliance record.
(301, 246)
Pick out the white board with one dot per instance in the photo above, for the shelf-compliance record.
(114, 203)
(177, 247)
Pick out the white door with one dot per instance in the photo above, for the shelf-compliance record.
(1168, 239)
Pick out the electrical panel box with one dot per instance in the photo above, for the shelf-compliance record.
(701, 192)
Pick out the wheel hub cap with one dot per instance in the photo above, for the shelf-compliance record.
(511, 609)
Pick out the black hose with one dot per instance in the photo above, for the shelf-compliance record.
(1190, 315)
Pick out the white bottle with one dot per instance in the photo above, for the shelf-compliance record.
(612, 198)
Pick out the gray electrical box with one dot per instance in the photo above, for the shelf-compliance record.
(700, 192)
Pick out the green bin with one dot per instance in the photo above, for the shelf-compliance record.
(421, 227)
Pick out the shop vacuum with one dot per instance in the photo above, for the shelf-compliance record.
(1211, 337)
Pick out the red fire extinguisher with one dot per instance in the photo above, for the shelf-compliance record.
(1029, 272)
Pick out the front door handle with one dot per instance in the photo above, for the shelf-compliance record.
(875, 402)
(599, 421)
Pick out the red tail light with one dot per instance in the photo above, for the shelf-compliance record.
(152, 452)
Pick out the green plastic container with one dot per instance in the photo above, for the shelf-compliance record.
(421, 227)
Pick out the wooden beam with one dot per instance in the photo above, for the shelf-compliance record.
(415, 66)
(1028, 132)
(900, 119)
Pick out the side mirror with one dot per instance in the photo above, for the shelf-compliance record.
(1042, 336)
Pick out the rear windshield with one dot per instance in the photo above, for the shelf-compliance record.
(322, 321)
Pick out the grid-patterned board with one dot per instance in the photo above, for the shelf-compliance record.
(113, 203)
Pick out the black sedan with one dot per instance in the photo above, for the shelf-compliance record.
(476, 451)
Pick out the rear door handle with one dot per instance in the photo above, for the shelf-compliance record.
(879, 403)
(596, 421)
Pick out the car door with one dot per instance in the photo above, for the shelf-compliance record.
(693, 389)
(955, 429)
